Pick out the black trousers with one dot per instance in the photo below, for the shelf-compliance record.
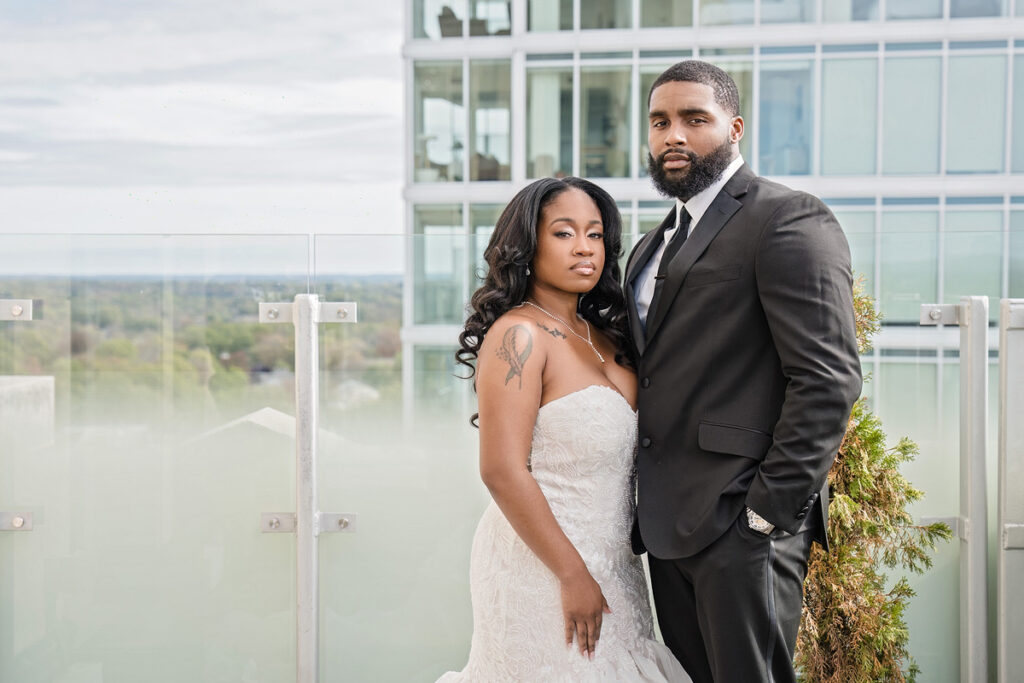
(731, 613)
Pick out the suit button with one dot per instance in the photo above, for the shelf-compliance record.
(645, 382)
(645, 442)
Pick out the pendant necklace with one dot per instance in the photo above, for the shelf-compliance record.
(572, 331)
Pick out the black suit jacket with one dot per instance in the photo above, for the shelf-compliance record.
(748, 368)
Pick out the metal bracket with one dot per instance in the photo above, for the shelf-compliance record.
(342, 522)
(329, 312)
(961, 527)
(15, 521)
(16, 309)
(942, 314)
(1013, 536)
(277, 522)
(1016, 321)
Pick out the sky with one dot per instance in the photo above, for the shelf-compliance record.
(198, 116)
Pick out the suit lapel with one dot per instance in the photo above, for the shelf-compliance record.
(722, 208)
(639, 258)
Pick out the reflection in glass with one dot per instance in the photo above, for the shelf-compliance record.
(786, 118)
(1017, 150)
(973, 257)
(779, 11)
(975, 138)
(605, 125)
(859, 227)
(489, 18)
(977, 8)
(439, 121)
(661, 13)
(849, 116)
(549, 15)
(548, 122)
(482, 218)
(438, 18)
(851, 10)
(718, 12)
(490, 119)
(911, 107)
(909, 275)
(438, 263)
(913, 9)
(606, 14)
(1016, 290)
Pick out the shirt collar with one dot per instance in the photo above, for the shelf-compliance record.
(699, 203)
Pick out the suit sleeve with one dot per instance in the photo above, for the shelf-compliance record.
(805, 285)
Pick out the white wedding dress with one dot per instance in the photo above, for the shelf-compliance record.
(582, 458)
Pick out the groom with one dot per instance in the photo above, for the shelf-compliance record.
(741, 309)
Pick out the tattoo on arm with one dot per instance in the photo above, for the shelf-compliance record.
(514, 352)
(556, 333)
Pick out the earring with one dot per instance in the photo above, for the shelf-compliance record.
(527, 271)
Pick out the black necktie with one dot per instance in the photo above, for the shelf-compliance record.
(671, 249)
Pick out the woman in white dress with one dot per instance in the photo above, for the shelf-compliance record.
(557, 593)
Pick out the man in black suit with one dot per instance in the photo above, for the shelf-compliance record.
(741, 309)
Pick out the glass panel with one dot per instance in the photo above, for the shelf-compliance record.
(975, 135)
(1016, 290)
(490, 18)
(438, 263)
(661, 13)
(606, 14)
(716, 12)
(859, 227)
(851, 10)
(549, 15)
(973, 257)
(652, 221)
(482, 218)
(605, 125)
(913, 9)
(440, 126)
(1017, 150)
(438, 18)
(849, 116)
(148, 434)
(786, 118)
(909, 273)
(976, 8)
(776, 11)
(490, 119)
(910, 119)
(548, 122)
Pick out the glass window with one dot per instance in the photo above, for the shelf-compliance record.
(490, 119)
(438, 18)
(489, 18)
(913, 9)
(909, 276)
(975, 114)
(606, 14)
(977, 8)
(650, 222)
(973, 257)
(482, 218)
(549, 15)
(849, 116)
(1017, 150)
(859, 227)
(438, 264)
(605, 124)
(648, 74)
(717, 12)
(548, 122)
(1016, 290)
(776, 11)
(786, 119)
(439, 121)
(851, 10)
(911, 106)
(438, 387)
(660, 13)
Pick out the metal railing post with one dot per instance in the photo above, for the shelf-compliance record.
(1010, 601)
(971, 314)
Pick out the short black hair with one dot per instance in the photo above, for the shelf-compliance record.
(727, 95)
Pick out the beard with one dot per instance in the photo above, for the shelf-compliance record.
(702, 173)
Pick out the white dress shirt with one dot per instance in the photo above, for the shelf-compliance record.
(643, 285)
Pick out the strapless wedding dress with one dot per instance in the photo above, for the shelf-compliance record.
(582, 458)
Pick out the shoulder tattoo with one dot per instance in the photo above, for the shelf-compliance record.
(554, 332)
(515, 348)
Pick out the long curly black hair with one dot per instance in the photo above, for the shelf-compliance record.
(511, 250)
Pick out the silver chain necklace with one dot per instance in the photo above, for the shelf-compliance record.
(572, 331)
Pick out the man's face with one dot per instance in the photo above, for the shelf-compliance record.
(691, 137)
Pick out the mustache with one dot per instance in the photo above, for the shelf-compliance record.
(690, 156)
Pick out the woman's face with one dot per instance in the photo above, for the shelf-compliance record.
(570, 243)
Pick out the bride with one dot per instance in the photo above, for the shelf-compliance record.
(557, 593)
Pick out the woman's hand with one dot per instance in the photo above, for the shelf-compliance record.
(583, 605)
